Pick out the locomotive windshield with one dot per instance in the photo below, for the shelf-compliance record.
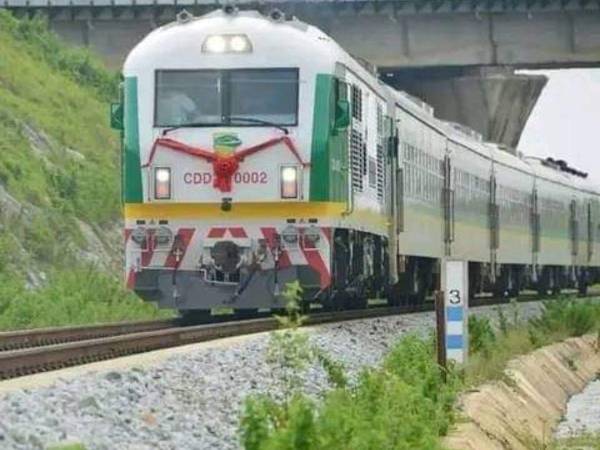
(226, 97)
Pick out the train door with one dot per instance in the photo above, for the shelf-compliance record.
(448, 204)
(535, 229)
(594, 231)
(494, 223)
(394, 195)
(590, 232)
(574, 231)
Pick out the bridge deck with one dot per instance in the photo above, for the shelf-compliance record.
(419, 6)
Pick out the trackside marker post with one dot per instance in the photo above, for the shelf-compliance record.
(440, 332)
(455, 287)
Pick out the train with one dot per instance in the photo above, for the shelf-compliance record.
(257, 152)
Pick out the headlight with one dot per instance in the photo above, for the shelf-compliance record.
(312, 234)
(289, 182)
(163, 236)
(162, 183)
(290, 234)
(227, 43)
(215, 44)
(138, 235)
(239, 44)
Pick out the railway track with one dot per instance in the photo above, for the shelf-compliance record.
(31, 351)
(39, 337)
(14, 340)
(15, 363)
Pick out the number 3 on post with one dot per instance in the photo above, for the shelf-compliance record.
(455, 286)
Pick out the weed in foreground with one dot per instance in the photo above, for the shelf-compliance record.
(481, 334)
(401, 405)
(503, 324)
(289, 351)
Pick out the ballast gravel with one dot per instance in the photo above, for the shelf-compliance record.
(190, 400)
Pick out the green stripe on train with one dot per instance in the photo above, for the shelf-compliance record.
(417, 210)
(328, 177)
(132, 172)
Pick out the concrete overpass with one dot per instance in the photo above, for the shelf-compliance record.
(458, 55)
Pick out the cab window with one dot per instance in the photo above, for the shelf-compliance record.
(237, 97)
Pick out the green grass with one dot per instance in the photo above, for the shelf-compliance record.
(81, 296)
(73, 174)
(404, 403)
(60, 161)
(43, 88)
(560, 319)
(74, 446)
(491, 350)
(487, 366)
(583, 442)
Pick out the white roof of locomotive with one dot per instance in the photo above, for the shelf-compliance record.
(179, 44)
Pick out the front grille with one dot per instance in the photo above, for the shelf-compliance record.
(224, 277)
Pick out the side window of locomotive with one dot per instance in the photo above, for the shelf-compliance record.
(379, 155)
(356, 103)
(265, 94)
(341, 90)
(187, 97)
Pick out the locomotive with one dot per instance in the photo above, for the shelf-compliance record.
(257, 152)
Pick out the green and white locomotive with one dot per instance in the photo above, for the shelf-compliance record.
(256, 152)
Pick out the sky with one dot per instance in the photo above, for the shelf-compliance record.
(565, 122)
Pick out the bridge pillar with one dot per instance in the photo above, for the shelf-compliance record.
(494, 101)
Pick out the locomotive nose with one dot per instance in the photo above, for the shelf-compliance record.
(226, 255)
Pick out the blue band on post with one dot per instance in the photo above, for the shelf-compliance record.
(454, 313)
(454, 341)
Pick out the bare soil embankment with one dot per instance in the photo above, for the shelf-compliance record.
(520, 411)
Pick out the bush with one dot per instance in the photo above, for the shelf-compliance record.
(559, 319)
(404, 404)
(481, 334)
(567, 317)
(81, 296)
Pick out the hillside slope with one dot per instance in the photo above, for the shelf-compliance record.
(59, 179)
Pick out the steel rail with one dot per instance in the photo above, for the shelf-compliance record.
(38, 337)
(19, 339)
(15, 363)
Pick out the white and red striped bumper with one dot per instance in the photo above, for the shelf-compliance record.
(182, 273)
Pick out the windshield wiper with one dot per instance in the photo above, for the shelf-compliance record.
(191, 124)
(260, 122)
(227, 122)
